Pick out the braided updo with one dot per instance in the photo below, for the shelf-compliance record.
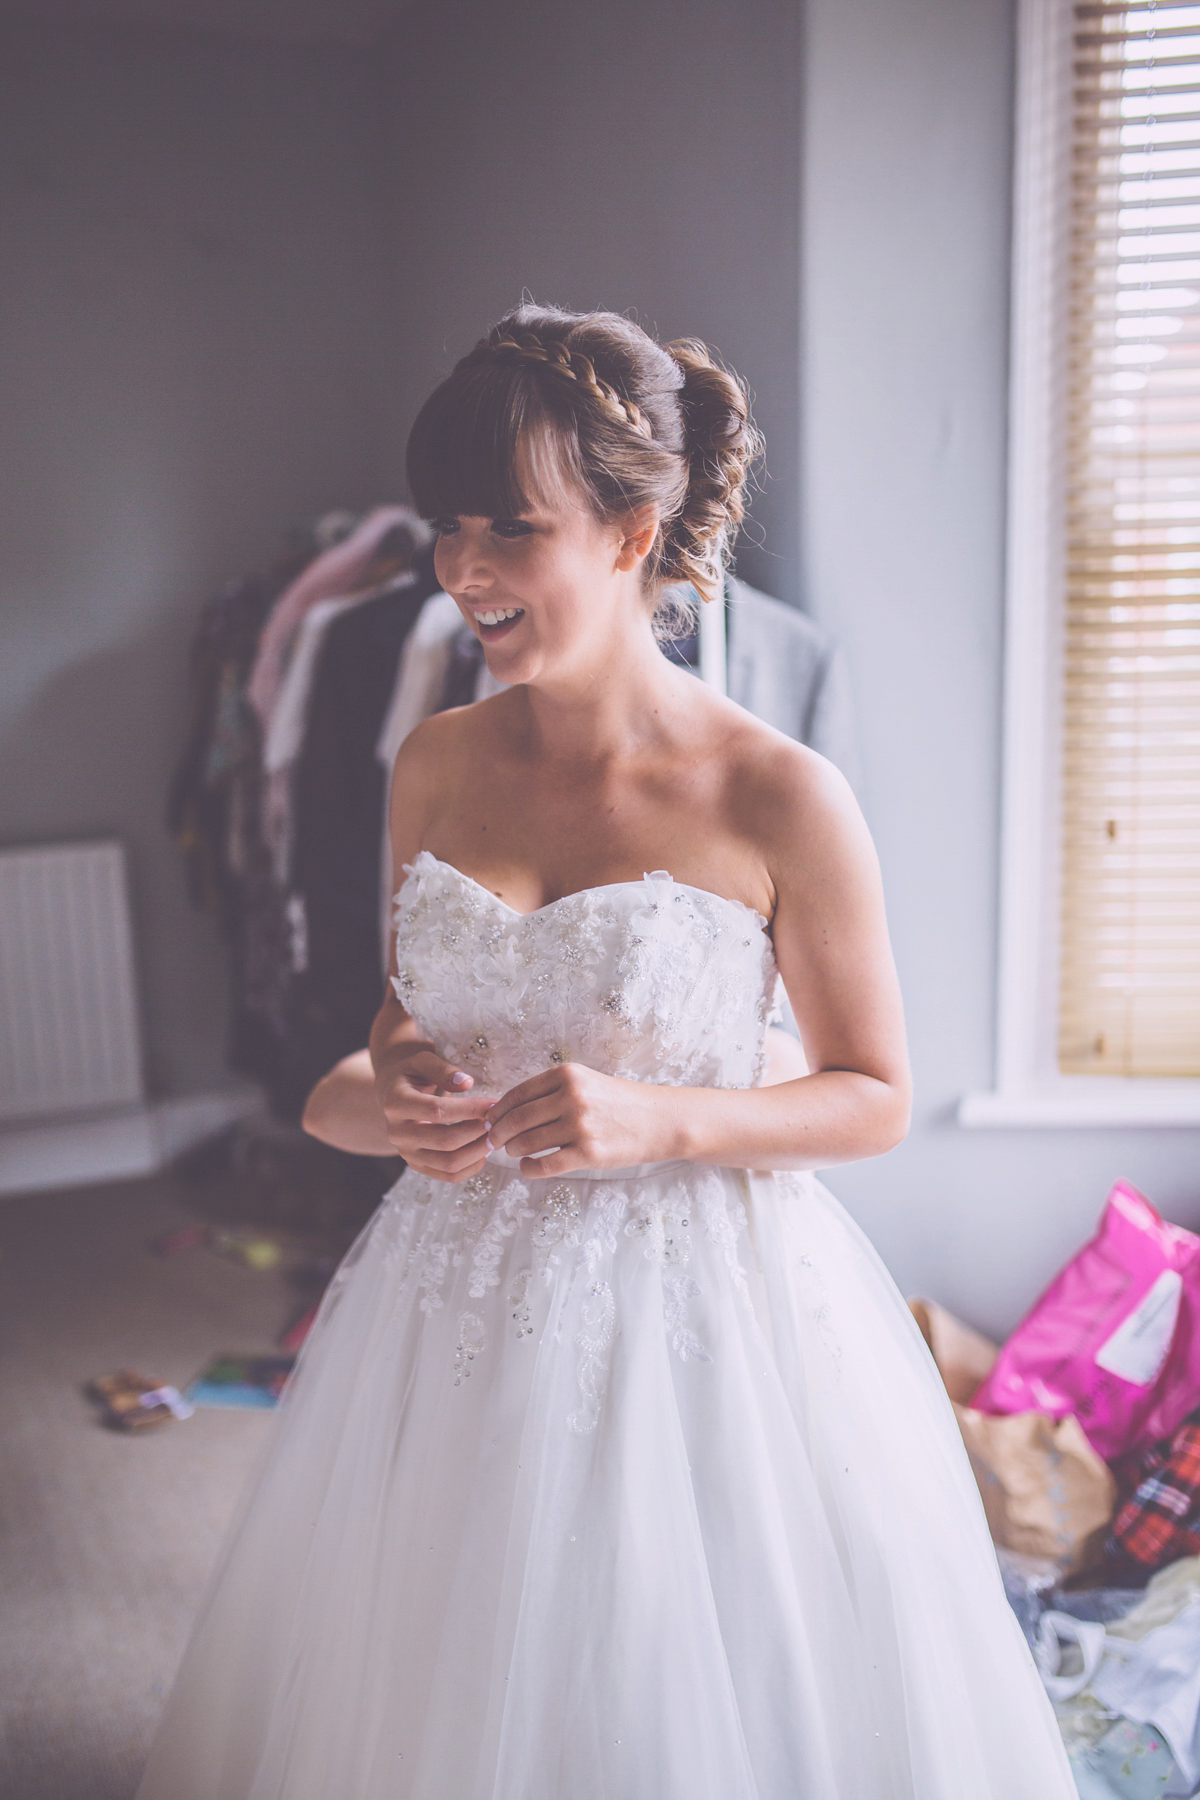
(631, 423)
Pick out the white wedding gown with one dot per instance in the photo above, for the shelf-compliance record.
(639, 1485)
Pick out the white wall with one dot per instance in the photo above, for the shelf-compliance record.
(191, 278)
(907, 148)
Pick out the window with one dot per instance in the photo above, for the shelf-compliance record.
(1099, 1005)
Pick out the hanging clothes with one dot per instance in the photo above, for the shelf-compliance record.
(356, 562)
(289, 719)
(217, 741)
(214, 797)
(338, 798)
(233, 817)
(285, 733)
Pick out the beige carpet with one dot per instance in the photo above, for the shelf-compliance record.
(106, 1540)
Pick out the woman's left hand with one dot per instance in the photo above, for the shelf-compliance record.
(588, 1120)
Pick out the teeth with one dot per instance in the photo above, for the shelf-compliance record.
(498, 618)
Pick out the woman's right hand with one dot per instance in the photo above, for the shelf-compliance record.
(433, 1119)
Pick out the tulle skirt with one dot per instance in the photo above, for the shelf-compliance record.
(638, 1487)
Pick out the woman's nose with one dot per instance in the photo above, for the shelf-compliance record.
(460, 562)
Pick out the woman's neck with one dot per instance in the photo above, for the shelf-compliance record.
(623, 700)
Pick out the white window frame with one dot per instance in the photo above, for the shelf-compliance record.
(1029, 1089)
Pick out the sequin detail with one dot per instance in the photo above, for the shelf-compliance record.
(647, 981)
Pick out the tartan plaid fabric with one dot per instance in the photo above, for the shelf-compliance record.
(1158, 1500)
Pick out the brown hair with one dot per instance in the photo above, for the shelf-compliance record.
(634, 423)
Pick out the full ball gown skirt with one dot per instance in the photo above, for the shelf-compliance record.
(638, 1486)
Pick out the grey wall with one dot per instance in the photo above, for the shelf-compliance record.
(626, 156)
(191, 270)
(907, 154)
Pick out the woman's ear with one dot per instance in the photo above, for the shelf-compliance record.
(638, 533)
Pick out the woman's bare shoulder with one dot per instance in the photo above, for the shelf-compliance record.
(439, 760)
(459, 731)
(795, 804)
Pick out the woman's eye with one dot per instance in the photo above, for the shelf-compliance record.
(444, 527)
(511, 528)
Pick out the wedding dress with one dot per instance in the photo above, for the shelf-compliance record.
(633, 1485)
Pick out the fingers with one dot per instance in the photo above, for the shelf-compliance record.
(425, 1068)
(417, 1135)
(455, 1168)
(563, 1162)
(545, 1137)
(406, 1101)
(524, 1119)
(548, 1082)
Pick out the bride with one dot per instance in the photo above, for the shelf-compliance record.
(615, 1467)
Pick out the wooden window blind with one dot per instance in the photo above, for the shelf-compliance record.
(1130, 963)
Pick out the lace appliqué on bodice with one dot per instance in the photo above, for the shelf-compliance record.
(650, 980)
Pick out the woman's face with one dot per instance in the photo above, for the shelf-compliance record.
(546, 593)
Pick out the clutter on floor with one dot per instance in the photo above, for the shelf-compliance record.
(1122, 1668)
(113, 1532)
(1158, 1499)
(133, 1402)
(1083, 1431)
(1115, 1338)
(293, 1338)
(242, 1243)
(241, 1381)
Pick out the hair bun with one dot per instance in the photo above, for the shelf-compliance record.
(628, 422)
(722, 446)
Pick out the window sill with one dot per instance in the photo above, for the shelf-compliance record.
(1096, 1101)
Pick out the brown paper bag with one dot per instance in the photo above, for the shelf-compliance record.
(1045, 1491)
(963, 1356)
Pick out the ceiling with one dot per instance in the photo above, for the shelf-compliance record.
(285, 21)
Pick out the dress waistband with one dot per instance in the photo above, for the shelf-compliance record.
(500, 1160)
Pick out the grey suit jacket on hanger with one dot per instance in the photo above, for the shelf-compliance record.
(783, 669)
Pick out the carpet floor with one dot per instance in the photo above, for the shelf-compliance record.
(107, 1538)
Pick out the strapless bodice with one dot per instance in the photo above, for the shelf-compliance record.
(651, 980)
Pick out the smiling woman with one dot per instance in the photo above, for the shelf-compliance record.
(614, 1464)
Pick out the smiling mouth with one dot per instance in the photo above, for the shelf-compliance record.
(496, 623)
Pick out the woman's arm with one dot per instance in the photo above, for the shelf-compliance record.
(343, 1109)
(831, 944)
(431, 1116)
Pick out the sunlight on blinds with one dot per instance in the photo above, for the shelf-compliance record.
(1130, 985)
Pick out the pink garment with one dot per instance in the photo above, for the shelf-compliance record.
(337, 572)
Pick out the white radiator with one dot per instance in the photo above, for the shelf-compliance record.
(69, 1040)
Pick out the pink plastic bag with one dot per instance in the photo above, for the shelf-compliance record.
(1115, 1338)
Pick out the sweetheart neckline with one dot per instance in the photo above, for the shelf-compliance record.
(604, 887)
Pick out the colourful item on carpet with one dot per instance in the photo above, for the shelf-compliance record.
(241, 1381)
